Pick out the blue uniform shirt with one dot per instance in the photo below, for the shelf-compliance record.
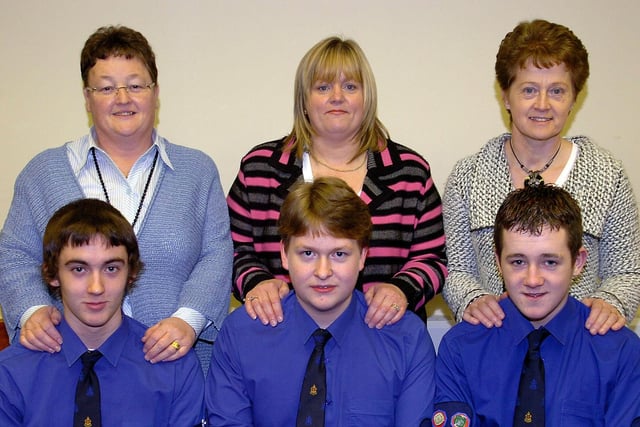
(375, 377)
(589, 380)
(38, 388)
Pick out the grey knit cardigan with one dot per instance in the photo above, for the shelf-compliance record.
(475, 190)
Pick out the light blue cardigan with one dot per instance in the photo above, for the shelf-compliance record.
(184, 241)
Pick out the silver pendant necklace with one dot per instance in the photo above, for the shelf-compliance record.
(534, 179)
(146, 185)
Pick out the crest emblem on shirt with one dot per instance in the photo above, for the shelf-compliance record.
(439, 419)
(460, 419)
(313, 390)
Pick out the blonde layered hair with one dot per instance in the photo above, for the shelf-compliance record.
(326, 61)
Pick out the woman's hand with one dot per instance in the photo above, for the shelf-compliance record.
(485, 310)
(39, 332)
(168, 340)
(387, 304)
(603, 317)
(263, 301)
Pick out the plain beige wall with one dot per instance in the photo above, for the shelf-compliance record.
(226, 71)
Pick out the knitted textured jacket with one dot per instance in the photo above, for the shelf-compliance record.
(184, 241)
(407, 244)
(475, 190)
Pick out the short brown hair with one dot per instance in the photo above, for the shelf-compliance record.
(325, 206)
(77, 224)
(546, 44)
(325, 61)
(117, 41)
(532, 209)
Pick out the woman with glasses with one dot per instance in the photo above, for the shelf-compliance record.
(336, 132)
(171, 194)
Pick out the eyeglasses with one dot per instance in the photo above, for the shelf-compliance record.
(132, 89)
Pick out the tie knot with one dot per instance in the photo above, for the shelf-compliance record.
(321, 336)
(535, 339)
(90, 358)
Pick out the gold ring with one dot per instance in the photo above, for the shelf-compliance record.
(175, 345)
(253, 297)
(395, 306)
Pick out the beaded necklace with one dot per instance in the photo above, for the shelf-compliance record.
(146, 186)
(534, 179)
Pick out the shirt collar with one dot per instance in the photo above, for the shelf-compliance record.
(72, 347)
(111, 349)
(338, 328)
(82, 150)
(561, 327)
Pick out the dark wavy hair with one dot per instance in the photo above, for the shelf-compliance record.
(79, 223)
(532, 209)
(117, 41)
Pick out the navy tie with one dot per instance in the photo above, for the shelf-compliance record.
(314, 387)
(530, 404)
(88, 393)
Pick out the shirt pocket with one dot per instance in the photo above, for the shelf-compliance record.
(575, 413)
(370, 413)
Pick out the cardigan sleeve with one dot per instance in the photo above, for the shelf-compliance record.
(619, 251)
(207, 288)
(185, 243)
(263, 181)
(422, 273)
(35, 198)
(463, 282)
(21, 285)
(407, 247)
(248, 271)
